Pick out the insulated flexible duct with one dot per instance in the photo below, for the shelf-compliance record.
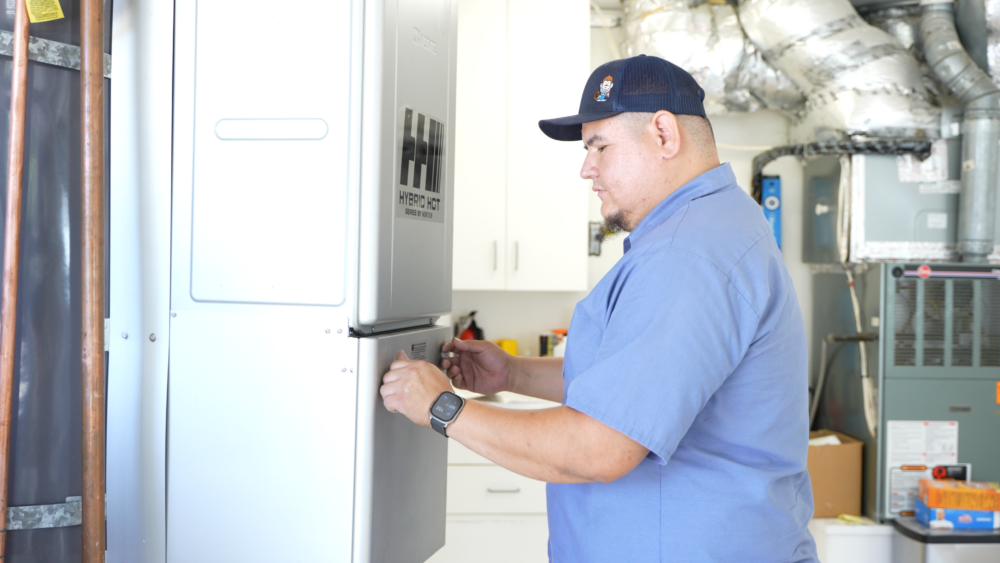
(706, 40)
(981, 126)
(858, 80)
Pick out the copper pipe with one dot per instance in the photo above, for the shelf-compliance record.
(11, 250)
(92, 282)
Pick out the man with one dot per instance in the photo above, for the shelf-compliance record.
(683, 430)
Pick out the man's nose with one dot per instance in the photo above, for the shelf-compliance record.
(589, 171)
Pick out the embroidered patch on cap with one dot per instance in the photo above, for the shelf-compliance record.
(602, 94)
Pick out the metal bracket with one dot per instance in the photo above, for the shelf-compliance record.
(46, 515)
(50, 52)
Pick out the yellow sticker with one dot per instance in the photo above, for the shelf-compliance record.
(43, 10)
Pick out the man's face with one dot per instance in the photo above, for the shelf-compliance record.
(621, 164)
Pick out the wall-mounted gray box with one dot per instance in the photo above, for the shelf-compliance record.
(899, 207)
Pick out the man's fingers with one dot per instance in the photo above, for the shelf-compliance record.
(401, 355)
(463, 345)
(389, 406)
(390, 376)
(388, 389)
(400, 363)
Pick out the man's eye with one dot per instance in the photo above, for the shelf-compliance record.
(601, 149)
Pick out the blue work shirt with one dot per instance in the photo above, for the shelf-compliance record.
(693, 346)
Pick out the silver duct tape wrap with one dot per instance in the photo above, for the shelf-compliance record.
(858, 79)
(708, 41)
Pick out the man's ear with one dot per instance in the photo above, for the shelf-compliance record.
(668, 134)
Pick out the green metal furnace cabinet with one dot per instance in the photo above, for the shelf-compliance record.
(937, 363)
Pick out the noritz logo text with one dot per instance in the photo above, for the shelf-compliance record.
(420, 168)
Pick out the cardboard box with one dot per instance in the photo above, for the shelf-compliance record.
(971, 495)
(835, 472)
(956, 518)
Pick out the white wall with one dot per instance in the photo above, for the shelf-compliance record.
(524, 315)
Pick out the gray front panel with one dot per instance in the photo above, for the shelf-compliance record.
(942, 328)
(410, 463)
(941, 354)
(406, 222)
(897, 211)
(971, 403)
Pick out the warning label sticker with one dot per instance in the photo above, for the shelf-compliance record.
(913, 448)
(43, 10)
(421, 169)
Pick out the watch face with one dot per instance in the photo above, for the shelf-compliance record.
(446, 406)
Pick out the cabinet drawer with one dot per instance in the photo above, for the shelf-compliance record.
(491, 489)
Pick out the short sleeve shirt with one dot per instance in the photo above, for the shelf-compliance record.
(693, 346)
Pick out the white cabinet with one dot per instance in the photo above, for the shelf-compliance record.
(520, 204)
(494, 515)
(508, 538)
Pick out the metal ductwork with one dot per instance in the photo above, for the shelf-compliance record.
(981, 126)
(706, 40)
(858, 79)
(818, 61)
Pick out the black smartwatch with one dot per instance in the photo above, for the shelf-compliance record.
(445, 410)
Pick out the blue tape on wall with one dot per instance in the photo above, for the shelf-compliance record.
(771, 198)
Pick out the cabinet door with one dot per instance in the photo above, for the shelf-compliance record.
(480, 153)
(548, 62)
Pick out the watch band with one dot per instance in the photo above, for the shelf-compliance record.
(439, 427)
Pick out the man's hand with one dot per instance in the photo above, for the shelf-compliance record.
(411, 386)
(481, 367)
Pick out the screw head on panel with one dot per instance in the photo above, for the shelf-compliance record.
(173, 315)
(342, 370)
(152, 338)
(125, 336)
(340, 330)
(328, 331)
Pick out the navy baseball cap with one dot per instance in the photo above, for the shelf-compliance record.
(640, 84)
